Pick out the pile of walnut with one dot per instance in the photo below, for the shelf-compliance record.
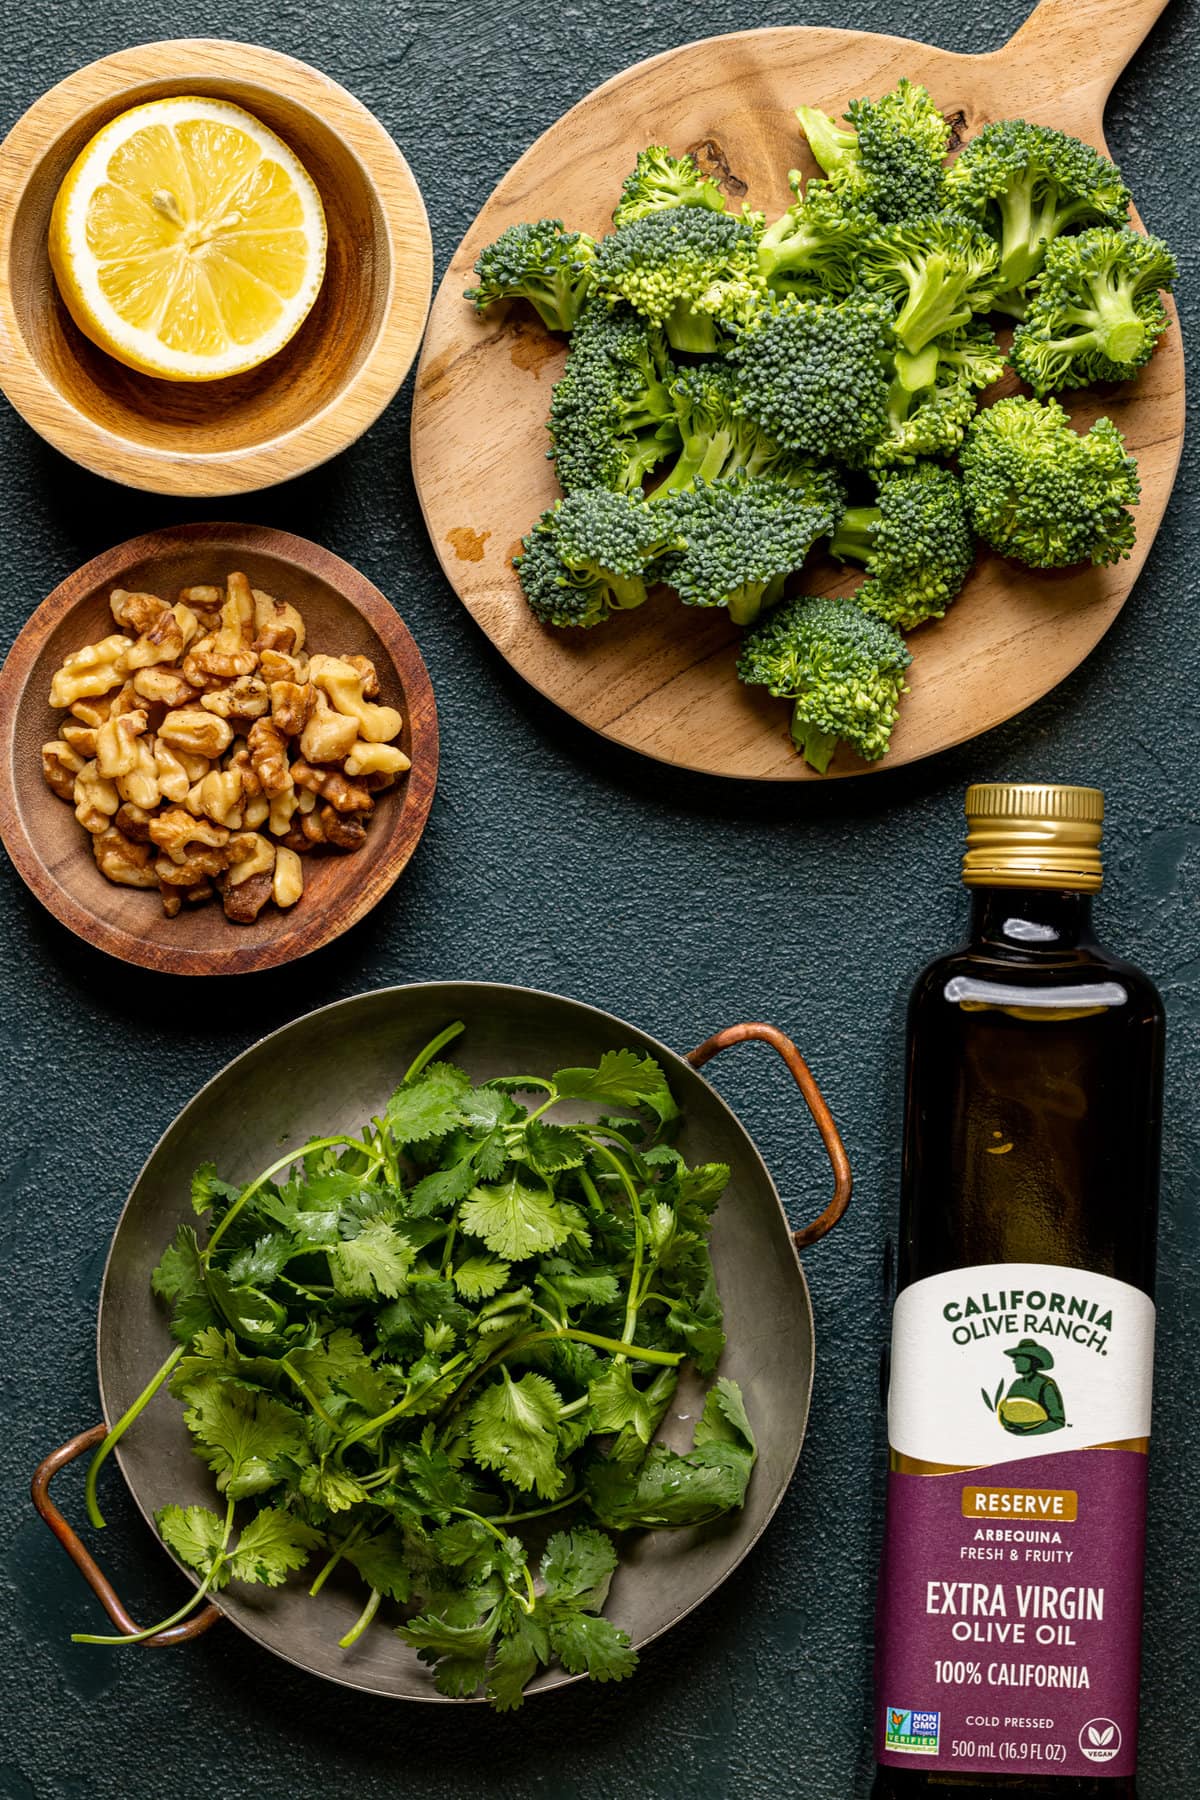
(209, 751)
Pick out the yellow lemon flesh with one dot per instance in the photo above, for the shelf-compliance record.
(187, 240)
(1022, 1412)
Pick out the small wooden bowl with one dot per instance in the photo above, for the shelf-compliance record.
(50, 849)
(305, 404)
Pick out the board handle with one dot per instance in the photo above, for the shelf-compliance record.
(815, 1101)
(1092, 40)
(87, 1565)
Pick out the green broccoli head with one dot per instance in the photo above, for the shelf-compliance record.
(612, 414)
(661, 180)
(914, 542)
(542, 263)
(1039, 491)
(1096, 314)
(842, 668)
(588, 557)
(891, 157)
(813, 248)
(939, 268)
(718, 441)
(692, 271)
(1029, 184)
(933, 397)
(814, 374)
(738, 541)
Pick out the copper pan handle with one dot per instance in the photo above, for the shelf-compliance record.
(814, 1100)
(96, 1579)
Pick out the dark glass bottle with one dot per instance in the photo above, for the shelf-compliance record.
(1028, 1223)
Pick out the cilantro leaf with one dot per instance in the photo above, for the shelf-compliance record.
(724, 1417)
(430, 1106)
(195, 1535)
(515, 1220)
(622, 1078)
(331, 1488)
(514, 1430)
(618, 1402)
(377, 1261)
(271, 1546)
(479, 1277)
(383, 1563)
(669, 1489)
(588, 1645)
(443, 1189)
(551, 1148)
(179, 1279)
(208, 1189)
(242, 1435)
(577, 1566)
(579, 1287)
(517, 1657)
(425, 1301)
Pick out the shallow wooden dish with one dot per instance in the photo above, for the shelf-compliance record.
(49, 848)
(322, 390)
(661, 680)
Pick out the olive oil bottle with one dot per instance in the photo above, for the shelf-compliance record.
(1009, 1621)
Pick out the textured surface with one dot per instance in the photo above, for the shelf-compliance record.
(681, 902)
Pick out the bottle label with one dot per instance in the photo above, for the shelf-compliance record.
(1011, 1587)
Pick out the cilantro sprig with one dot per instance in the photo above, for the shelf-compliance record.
(394, 1350)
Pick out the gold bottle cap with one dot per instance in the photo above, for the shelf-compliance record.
(1032, 834)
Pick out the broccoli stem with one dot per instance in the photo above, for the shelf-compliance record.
(834, 146)
(746, 603)
(702, 459)
(815, 746)
(934, 306)
(854, 539)
(690, 331)
(1026, 227)
(1120, 330)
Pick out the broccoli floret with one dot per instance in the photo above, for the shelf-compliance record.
(813, 247)
(612, 415)
(741, 539)
(542, 263)
(843, 669)
(1096, 314)
(814, 374)
(660, 179)
(1028, 184)
(933, 397)
(718, 442)
(892, 155)
(940, 268)
(588, 556)
(687, 269)
(1035, 489)
(914, 542)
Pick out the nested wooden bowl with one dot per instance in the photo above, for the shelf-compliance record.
(322, 390)
(51, 851)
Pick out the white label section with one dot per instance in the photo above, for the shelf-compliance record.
(1011, 1360)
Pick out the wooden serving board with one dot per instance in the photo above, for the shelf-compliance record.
(661, 680)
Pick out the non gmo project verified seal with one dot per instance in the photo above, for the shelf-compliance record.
(914, 1733)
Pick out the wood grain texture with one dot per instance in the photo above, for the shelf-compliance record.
(50, 850)
(659, 680)
(302, 406)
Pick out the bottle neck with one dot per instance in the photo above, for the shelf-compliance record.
(1031, 919)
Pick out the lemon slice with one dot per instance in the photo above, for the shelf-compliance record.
(187, 240)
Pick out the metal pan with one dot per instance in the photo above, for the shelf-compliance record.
(329, 1071)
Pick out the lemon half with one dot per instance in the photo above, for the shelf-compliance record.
(187, 240)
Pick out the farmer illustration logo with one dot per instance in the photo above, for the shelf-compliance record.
(1032, 1405)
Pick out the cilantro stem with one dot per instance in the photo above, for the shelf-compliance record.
(536, 1512)
(639, 1233)
(591, 1191)
(363, 1620)
(307, 1394)
(575, 1406)
(119, 1429)
(190, 1605)
(347, 1543)
(614, 1346)
(546, 1104)
(431, 1049)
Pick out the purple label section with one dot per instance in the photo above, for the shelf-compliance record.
(1010, 1610)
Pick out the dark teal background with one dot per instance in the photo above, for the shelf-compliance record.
(680, 902)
